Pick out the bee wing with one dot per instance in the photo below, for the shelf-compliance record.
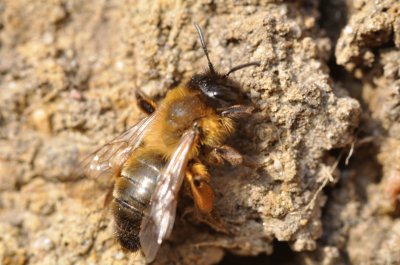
(158, 222)
(111, 156)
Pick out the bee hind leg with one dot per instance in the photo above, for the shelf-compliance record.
(199, 181)
(145, 104)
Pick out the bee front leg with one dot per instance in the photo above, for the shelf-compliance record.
(236, 111)
(145, 104)
(227, 153)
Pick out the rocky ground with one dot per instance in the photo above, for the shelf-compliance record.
(326, 132)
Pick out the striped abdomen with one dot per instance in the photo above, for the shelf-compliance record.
(131, 196)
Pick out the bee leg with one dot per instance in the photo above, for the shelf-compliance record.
(231, 155)
(214, 221)
(236, 111)
(199, 181)
(144, 103)
(203, 195)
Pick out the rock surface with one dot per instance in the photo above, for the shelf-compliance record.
(68, 75)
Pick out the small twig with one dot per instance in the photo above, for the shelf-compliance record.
(350, 153)
(327, 177)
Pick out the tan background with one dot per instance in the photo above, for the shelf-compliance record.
(328, 88)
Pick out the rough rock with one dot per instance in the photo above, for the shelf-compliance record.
(68, 75)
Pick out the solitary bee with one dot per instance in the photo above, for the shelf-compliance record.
(150, 160)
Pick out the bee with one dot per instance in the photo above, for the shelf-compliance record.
(149, 162)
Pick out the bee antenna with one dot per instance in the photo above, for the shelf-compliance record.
(241, 66)
(203, 44)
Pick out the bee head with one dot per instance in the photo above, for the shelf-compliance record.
(218, 88)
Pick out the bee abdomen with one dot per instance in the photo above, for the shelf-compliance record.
(127, 224)
(132, 193)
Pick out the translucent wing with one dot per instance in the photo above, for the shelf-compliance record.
(111, 156)
(157, 224)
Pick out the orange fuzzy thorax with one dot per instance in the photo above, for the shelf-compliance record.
(180, 109)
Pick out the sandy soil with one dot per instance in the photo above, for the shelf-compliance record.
(326, 132)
